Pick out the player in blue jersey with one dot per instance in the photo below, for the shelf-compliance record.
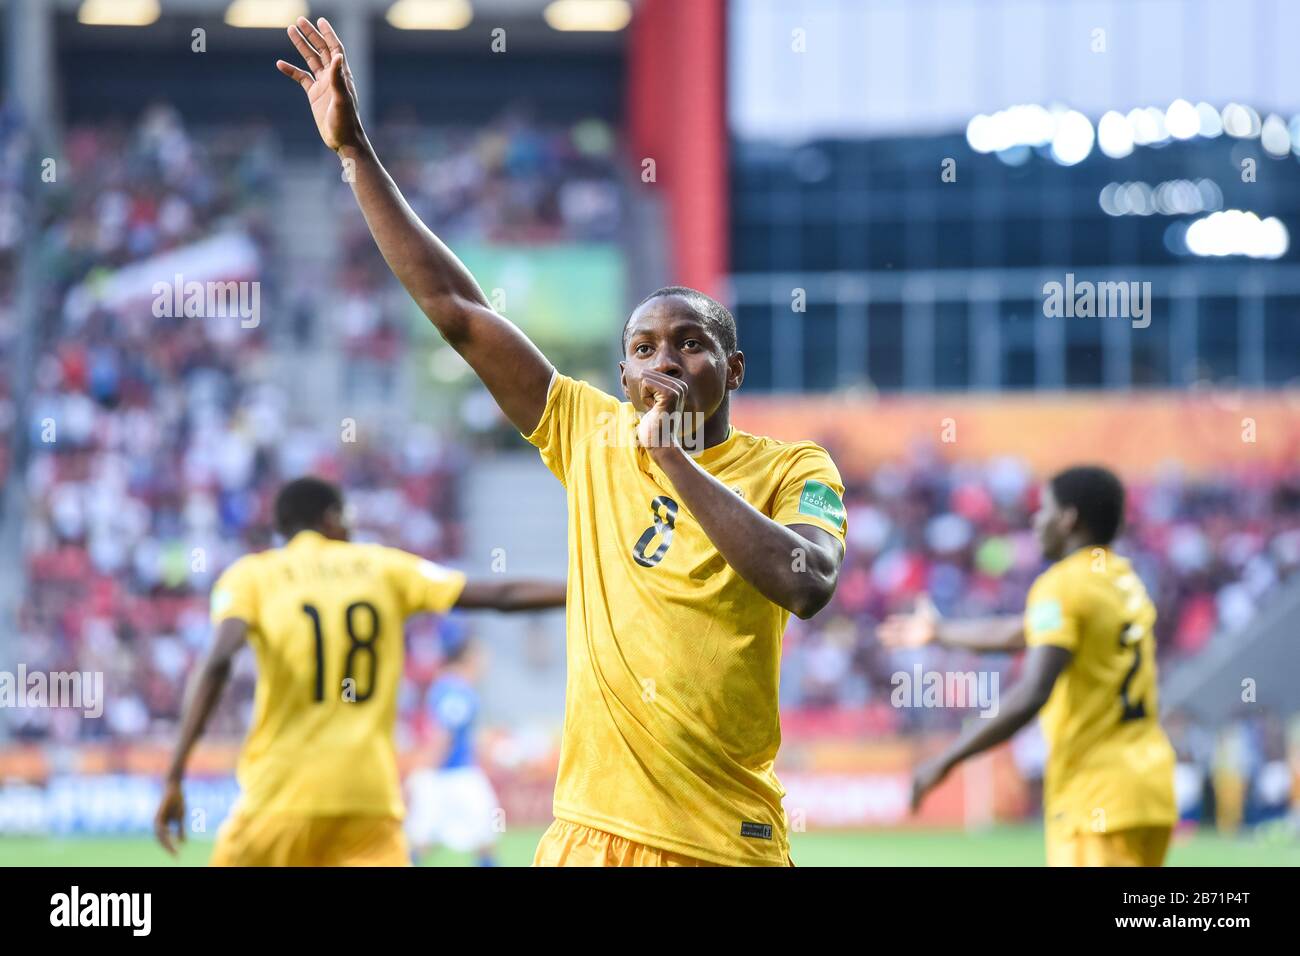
(452, 802)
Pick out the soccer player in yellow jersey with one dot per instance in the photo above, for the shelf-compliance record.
(318, 771)
(1090, 675)
(690, 542)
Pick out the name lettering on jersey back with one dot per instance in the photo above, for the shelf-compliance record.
(307, 572)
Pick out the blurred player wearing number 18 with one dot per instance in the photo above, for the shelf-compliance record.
(318, 773)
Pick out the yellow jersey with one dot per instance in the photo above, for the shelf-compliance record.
(325, 621)
(671, 722)
(1110, 766)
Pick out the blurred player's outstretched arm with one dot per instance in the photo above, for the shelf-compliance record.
(516, 373)
(520, 595)
(997, 634)
(201, 697)
(1043, 664)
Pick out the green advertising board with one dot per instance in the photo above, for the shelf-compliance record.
(567, 294)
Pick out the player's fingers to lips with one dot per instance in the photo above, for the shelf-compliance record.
(665, 382)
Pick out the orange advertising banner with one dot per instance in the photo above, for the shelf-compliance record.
(1135, 433)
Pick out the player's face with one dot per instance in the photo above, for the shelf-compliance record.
(1050, 525)
(668, 336)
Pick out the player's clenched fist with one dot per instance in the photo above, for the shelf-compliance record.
(330, 90)
(663, 398)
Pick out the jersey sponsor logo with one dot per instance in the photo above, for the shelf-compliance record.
(1045, 616)
(759, 831)
(821, 501)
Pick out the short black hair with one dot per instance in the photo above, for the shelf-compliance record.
(716, 316)
(1096, 494)
(302, 503)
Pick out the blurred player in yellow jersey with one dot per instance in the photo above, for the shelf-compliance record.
(318, 771)
(690, 542)
(1090, 674)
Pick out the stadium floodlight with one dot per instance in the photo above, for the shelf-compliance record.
(1145, 128)
(264, 14)
(1182, 120)
(1018, 126)
(1240, 121)
(1031, 125)
(430, 14)
(118, 13)
(1174, 197)
(1109, 199)
(1156, 123)
(1211, 124)
(1177, 197)
(1073, 140)
(979, 133)
(593, 16)
(1275, 137)
(1115, 135)
(1234, 232)
(1138, 199)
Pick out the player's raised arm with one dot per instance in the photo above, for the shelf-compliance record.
(998, 634)
(507, 362)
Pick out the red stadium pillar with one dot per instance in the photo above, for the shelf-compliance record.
(677, 113)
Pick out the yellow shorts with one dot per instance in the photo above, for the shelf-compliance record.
(571, 844)
(252, 840)
(1137, 846)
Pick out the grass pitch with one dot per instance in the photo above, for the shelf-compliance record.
(1020, 845)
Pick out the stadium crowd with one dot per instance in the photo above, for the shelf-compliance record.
(510, 180)
(156, 444)
(13, 223)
